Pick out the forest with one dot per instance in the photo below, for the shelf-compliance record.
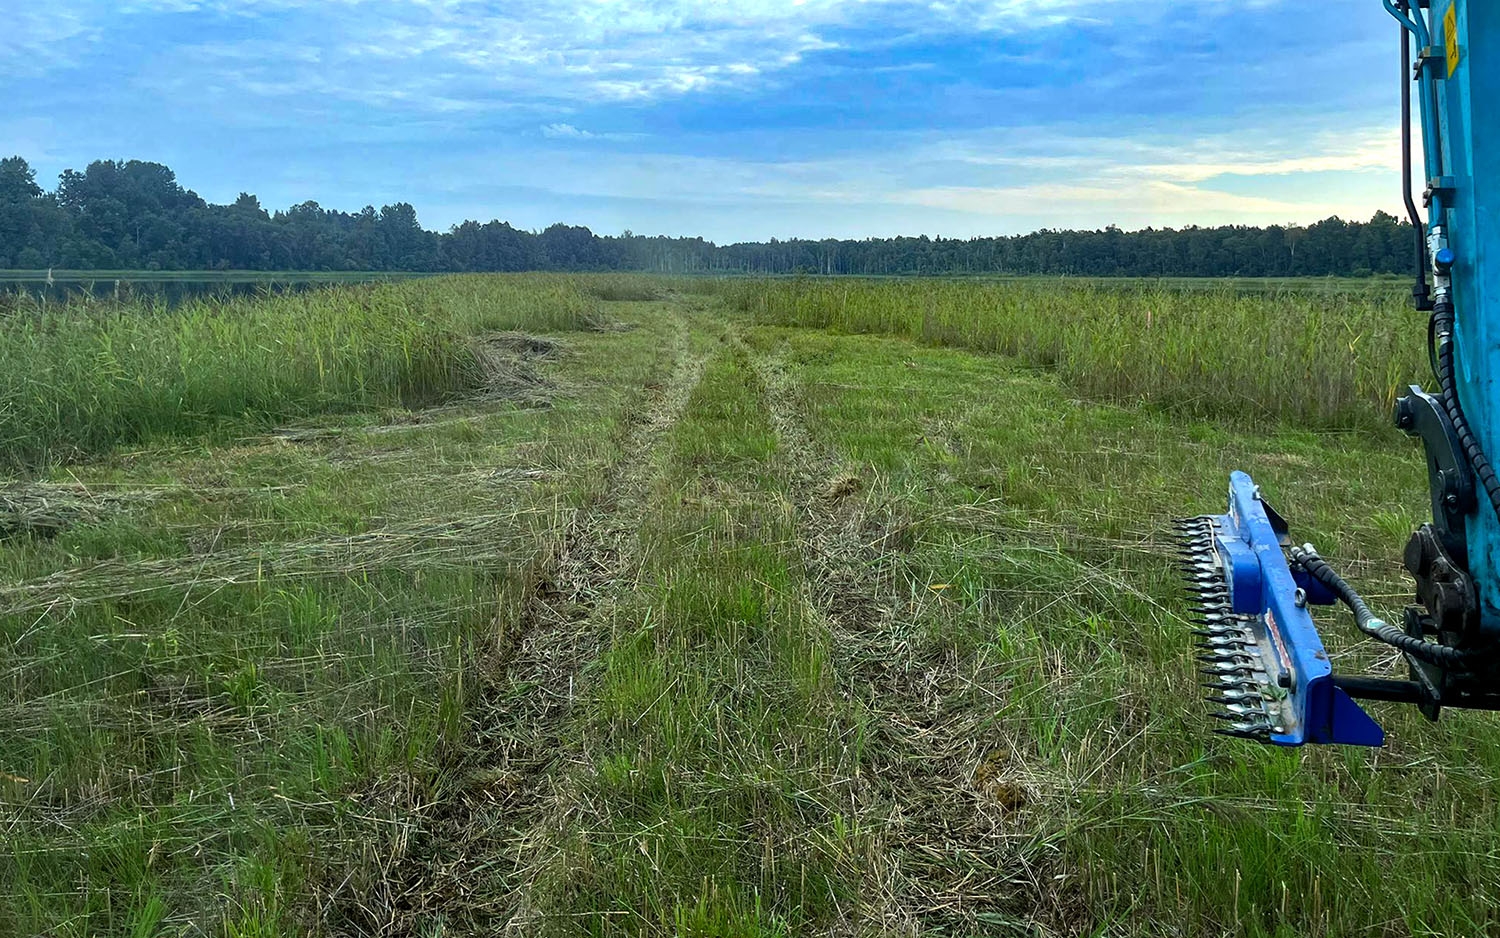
(134, 215)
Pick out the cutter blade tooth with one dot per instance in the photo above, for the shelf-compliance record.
(1225, 644)
(1230, 656)
(1243, 712)
(1213, 655)
(1250, 734)
(1217, 659)
(1225, 668)
(1237, 697)
(1225, 688)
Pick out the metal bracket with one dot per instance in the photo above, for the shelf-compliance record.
(1432, 63)
(1444, 186)
(1449, 476)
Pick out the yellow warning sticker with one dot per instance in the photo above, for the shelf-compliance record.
(1450, 31)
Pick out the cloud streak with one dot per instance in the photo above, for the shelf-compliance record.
(579, 51)
(738, 118)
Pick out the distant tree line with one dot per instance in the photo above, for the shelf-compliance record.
(135, 216)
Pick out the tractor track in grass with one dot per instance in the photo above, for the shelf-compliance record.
(467, 872)
(935, 783)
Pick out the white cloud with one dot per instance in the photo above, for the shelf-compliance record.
(579, 51)
(1151, 202)
(1039, 179)
(40, 40)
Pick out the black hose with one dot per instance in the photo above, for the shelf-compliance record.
(1432, 346)
(1374, 627)
(1442, 324)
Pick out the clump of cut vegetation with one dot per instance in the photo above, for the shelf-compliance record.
(86, 377)
(45, 510)
(1321, 358)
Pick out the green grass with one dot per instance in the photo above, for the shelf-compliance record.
(866, 583)
(84, 378)
(1326, 359)
(1062, 650)
(715, 724)
(232, 688)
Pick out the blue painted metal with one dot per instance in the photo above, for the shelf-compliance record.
(1290, 665)
(1263, 649)
(1469, 115)
(1427, 106)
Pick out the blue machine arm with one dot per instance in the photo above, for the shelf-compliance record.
(1262, 653)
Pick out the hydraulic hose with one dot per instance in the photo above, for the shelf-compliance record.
(1442, 327)
(1372, 625)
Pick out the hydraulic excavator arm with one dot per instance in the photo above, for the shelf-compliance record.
(1262, 654)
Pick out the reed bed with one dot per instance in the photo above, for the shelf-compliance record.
(85, 377)
(1324, 359)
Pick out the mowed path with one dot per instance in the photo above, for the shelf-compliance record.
(710, 718)
(887, 642)
(472, 867)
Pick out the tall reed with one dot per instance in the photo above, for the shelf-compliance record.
(85, 377)
(1325, 359)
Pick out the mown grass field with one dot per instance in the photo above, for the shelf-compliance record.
(615, 605)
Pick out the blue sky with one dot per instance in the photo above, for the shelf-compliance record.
(735, 120)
